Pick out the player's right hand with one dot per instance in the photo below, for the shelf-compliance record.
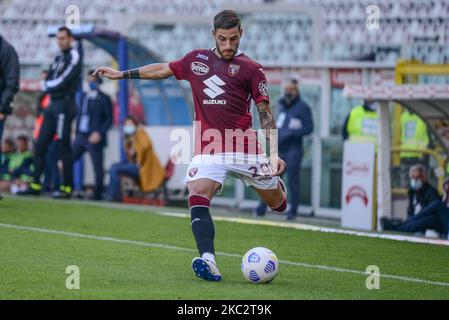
(108, 73)
(278, 165)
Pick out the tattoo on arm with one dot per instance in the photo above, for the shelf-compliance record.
(267, 124)
(265, 115)
(131, 74)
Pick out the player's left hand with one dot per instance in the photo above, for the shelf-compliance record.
(278, 166)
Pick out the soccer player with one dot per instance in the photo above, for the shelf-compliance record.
(223, 81)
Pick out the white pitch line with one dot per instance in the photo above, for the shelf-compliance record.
(165, 246)
(290, 225)
(307, 227)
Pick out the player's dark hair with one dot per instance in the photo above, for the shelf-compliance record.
(67, 30)
(227, 19)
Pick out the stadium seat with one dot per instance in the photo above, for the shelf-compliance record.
(403, 22)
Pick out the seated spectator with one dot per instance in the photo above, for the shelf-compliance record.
(21, 165)
(426, 211)
(8, 149)
(143, 164)
(421, 193)
(18, 171)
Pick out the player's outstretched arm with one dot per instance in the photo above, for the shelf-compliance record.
(268, 124)
(152, 71)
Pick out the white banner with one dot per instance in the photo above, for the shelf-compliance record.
(357, 185)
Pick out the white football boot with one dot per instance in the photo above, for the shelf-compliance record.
(205, 269)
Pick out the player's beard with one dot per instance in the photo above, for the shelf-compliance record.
(221, 53)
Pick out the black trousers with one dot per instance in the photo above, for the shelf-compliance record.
(435, 216)
(80, 146)
(57, 120)
(2, 124)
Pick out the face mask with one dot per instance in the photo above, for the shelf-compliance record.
(93, 85)
(416, 184)
(375, 106)
(129, 130)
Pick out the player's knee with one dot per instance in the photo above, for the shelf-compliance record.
(198, 200)
(280, 207)
(199, 189)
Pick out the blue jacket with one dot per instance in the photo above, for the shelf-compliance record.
(99, 112)
(294, 121)
(9, 75)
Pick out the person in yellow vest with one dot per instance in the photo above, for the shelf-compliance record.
(361, 125)
(143, 165)
(413, 136)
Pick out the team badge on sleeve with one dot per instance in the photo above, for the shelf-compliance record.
(233, 69)
(263, 88)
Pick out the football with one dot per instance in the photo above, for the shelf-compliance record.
(260, 265)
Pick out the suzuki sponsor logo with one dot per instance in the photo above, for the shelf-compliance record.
(212, 101)
(199, 68)
(213, 90)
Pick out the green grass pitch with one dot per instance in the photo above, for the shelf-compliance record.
(33, 262)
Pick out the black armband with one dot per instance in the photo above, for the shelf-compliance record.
(131, 74)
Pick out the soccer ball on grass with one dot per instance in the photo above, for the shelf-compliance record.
(260, 265)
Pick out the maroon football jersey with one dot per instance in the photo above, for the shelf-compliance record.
(222, 92)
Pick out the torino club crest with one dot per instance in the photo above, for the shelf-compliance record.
(233, 69)
(193, 172)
